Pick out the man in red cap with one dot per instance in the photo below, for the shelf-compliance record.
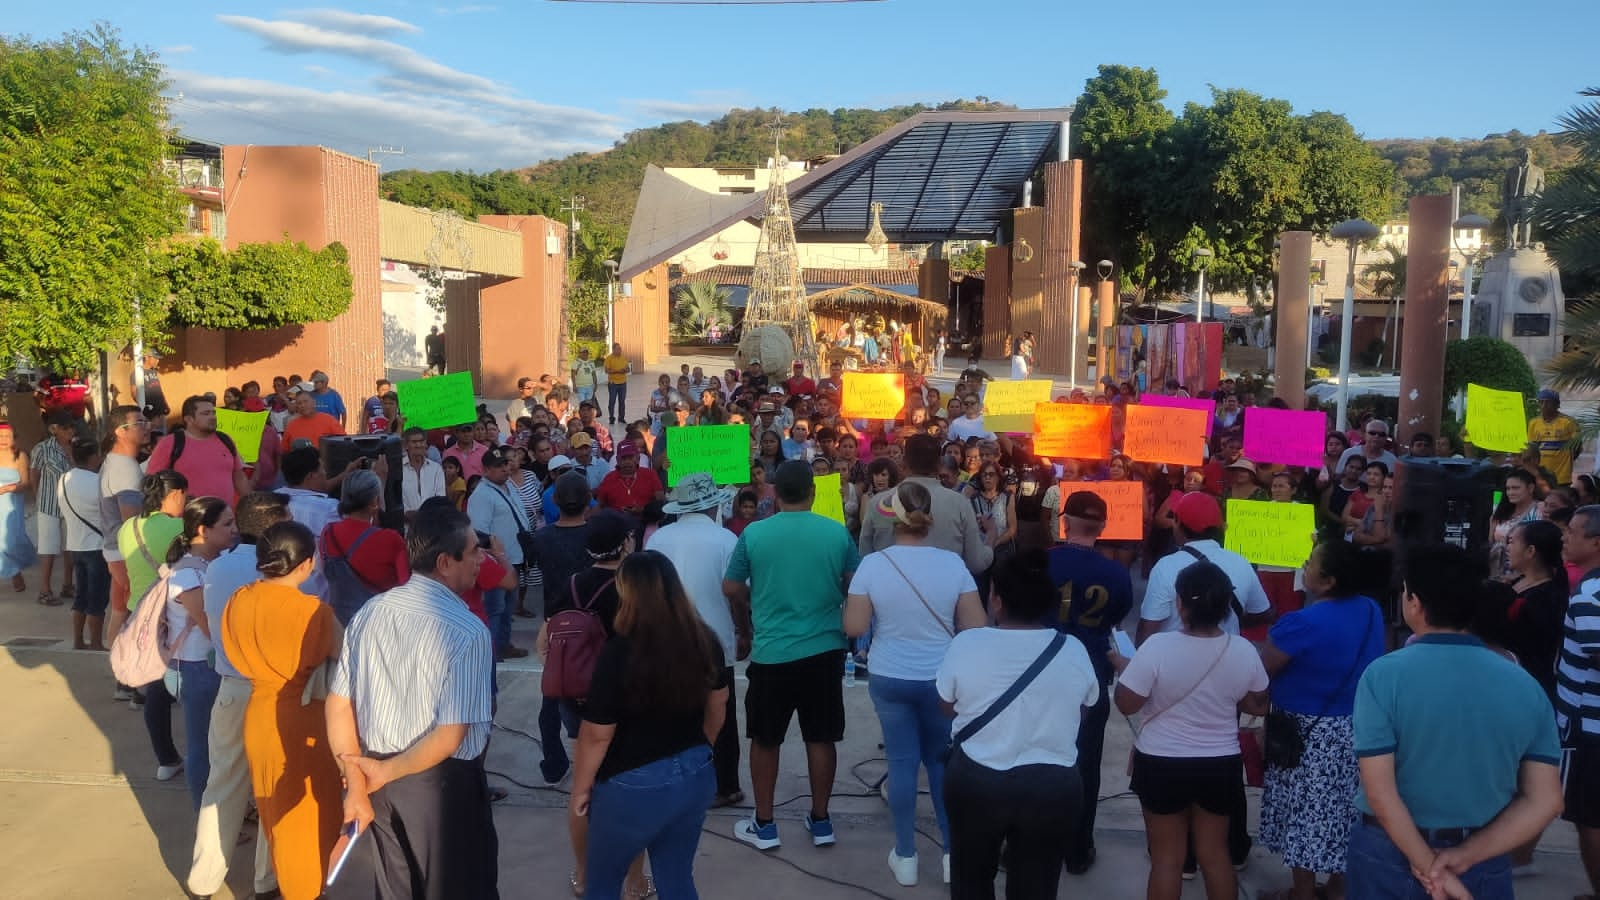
(629, 487)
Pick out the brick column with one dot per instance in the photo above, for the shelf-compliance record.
(1294, 304)
(1427, 304)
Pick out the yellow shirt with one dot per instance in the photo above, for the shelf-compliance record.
(1557, 441)
(617, 368)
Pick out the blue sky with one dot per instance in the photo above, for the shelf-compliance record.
(505, 84)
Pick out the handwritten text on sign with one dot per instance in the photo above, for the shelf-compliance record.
(1008, 405)
(245, 429)
(1166, 435)
(829, 502)
(1271, 534)
(1124, 507)
(1071, 431)
(1203, 404)
(1289, 436)
(438, 402)
(721, 450)
(873, 395)
(1496, 419)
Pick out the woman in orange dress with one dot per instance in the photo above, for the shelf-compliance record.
(280, 638)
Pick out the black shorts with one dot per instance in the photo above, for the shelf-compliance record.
(1580, 780)
(1168, 785)
(813, 687)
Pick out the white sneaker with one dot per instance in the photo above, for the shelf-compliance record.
(122, 693)
(167, 773)
(903, 867)
(947, 868)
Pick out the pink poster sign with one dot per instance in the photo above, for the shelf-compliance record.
(1204, 404)
(1289, 436)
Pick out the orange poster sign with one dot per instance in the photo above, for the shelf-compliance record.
(1158, 434)
(1124, 508)
(1072, 431)
(873, 395)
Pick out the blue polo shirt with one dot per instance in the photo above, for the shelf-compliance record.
(1460, 719)
(1096, 594)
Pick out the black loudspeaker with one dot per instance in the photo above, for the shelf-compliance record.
(1445, 501)
(337, 452)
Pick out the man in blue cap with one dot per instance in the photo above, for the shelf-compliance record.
(1556, 435)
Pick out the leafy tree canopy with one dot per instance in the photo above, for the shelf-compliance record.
(253, 285)
(85, 199)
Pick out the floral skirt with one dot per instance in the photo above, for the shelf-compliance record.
(1307, 811)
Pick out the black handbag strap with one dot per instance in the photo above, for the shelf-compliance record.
(1361, 649)
(516, 517)
(1017, 687)
(1238, 608)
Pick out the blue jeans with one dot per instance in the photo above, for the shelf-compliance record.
(198, 688)
(658, 807)
(584, 393)
(915, 731)
(1377, 870)
(555, 715)
(497, 606)
(89, 570)
(617, 401)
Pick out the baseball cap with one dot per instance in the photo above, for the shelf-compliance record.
(1548, 394)
(1197, 511)
(557, 463)
(493, 457)
(581, 439)
(775, 389)
(1242, 463)
(304, 387)
(1085, 505)
(627, 448)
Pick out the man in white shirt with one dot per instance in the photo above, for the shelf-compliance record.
(495, 509)
(420, 477)
(228, 789)
(1198, 533)
(1199, 536)
(971, 422)
(78, 497)
(699, 548)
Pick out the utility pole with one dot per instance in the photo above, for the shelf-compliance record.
(384, 150)
(571, 206)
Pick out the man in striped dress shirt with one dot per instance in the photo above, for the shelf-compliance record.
(409, 712)
(1578, 688)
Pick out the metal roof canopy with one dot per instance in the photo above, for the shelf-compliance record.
(939, 175)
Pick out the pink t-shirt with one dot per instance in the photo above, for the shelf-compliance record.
(471, 460)
(206, 462)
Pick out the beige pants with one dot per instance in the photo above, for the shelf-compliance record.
(226, 798)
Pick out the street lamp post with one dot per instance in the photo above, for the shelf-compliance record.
(1077, 267)
(1468, 222)
(1353, 232)
(611, 288)
(1103, 268)
(1202, 258)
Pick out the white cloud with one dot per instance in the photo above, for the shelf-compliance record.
(353, 23)
(704, 106)
(299, 37)
(177, 49)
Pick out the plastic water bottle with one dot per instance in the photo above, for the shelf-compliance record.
(849, 669)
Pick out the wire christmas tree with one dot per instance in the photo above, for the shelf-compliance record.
(777, 289)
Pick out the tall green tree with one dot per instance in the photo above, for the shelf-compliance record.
(1120, 126)
(1569, 213)
(84, 196)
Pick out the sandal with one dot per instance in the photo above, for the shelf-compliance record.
(17, 584)
(46, 598)
(68, 592)
(732, 798)
(648, 891)
(577, 889)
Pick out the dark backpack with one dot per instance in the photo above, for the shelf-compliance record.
(347, 590)
(180, 439)
(575, 638)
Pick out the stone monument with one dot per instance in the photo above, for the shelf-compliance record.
(1519, 299)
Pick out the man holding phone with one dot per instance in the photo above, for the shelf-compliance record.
(409, 711)
(1096, 595)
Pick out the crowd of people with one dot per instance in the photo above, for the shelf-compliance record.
(333, 633)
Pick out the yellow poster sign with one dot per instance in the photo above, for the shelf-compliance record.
(1008, 405)
(1496, 420)
(1271, 534)
(873, 395)
(829, 502)
(245, 429)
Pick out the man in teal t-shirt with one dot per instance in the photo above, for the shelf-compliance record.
(1457, 746)
(786, 583)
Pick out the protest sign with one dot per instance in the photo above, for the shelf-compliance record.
(1289, 436)
(438, 402)
(244, 428)
(1071, 431)
(1171, 435)
(721, 450)
(1496, 420)
(1204, 404)
(829, 502)
(1008, 405)
(1124, 508)
(1271, 534)
(873, 395)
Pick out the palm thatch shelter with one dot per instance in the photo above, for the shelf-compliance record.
(863, 303)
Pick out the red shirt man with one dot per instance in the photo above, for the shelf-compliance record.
(629, 487)
(799, 385)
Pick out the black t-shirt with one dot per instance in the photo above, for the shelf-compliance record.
(1536, 620)
(560, 553)
(599, 584)
(641, 738)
